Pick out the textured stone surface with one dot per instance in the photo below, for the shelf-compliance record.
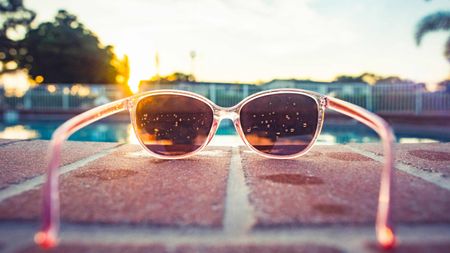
(329, 186)
(127, 201)
(127, 186)
(418, 247)
(97, 248)
(295, 248)
(434, 157)
(26, 159)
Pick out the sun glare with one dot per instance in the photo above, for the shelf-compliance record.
(136, 75)
(139, 70)
(141, 61)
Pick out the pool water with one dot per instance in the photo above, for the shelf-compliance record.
(332, 133)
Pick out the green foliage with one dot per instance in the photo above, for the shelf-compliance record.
(439, 21)
(370, 78)
(15, 21)
(65, 51)
(175, 77)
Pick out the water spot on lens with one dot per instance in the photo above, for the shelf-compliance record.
(293, 179)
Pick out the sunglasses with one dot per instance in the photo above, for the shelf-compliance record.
(173, 124)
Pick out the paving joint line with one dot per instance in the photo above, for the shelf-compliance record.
(32, 183)
(14, 141)
(431, 177)
(239, 213)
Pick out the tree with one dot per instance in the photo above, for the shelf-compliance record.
(65, 51)
(175, 77)
(373, 79)
(439, 21)
(369, 78)
(15, 21)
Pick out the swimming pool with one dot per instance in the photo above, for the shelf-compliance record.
(332, 133)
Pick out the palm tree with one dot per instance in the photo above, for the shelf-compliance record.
(439, 21)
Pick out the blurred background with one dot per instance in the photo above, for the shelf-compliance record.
(60, 58)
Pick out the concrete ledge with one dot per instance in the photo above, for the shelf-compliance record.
(115, 198)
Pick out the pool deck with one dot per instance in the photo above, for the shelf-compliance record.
(115, 198)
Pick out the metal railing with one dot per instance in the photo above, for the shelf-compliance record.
(64, 97)
(407, 99)
(402, 99)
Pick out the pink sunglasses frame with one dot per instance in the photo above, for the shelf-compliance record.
(47, 237)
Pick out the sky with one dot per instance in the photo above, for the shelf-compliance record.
(259, 40)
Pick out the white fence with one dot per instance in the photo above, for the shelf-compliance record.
(61, 98)
(402, 99)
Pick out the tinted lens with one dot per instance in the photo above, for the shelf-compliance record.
(280, 124)
(173, 124)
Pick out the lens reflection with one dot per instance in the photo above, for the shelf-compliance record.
(173, 124)
(280, 124)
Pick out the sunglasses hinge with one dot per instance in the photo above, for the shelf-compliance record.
(323, 102)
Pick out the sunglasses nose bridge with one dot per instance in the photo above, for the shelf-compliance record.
(226, 113)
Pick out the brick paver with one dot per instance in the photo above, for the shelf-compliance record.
(296, 248)
(26, 159)
(324, 188)
(129, 187)
(126, 201)
(434, 157)
(98, 248)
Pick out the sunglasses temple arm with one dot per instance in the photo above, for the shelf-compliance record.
(384, 225)
(47, 235)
